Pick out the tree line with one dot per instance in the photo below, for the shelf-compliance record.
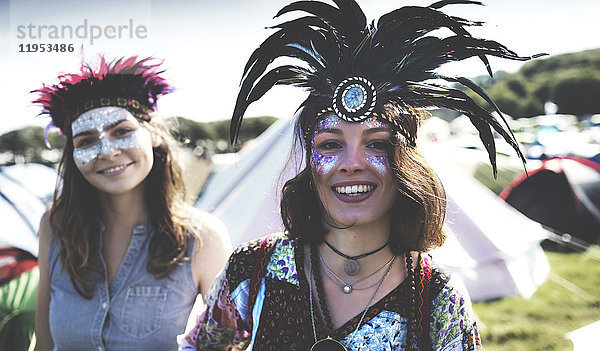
(571, 81)
(27, 144)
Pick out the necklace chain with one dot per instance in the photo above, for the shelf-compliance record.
(350, 285)
(312, 314)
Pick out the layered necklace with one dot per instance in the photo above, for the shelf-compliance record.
(351, 267)
(330, 344)
(347, 288)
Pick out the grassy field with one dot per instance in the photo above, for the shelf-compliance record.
(568, 300)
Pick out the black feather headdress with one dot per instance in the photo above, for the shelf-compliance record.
(356, 70)
(132, 83)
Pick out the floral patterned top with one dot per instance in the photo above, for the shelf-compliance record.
(273, 313)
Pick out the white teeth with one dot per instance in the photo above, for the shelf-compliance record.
(354, 189)
(113, 170)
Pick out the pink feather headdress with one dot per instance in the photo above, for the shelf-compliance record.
(132, 83)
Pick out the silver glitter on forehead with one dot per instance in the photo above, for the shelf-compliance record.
(331, 121)
(99, 118)
(374, 122)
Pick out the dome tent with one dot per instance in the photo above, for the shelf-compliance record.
(562, 194)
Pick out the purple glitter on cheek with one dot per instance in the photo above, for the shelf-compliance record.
(321, 163)
(380, 163)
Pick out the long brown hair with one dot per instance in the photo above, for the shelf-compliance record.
(419, 211)
(75, 212)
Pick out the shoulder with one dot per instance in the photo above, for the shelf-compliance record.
(445, 287)
(45, 234)
(271, 255)
(45, 228)
(211, 246)
(206, 227)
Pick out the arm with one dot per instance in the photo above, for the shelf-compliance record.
(453, 322)
(210, 259)
(42, 325)
(223, 324)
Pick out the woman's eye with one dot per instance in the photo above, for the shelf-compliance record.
(329, 145)
(82, 143)
(380, 145)
(122, 132)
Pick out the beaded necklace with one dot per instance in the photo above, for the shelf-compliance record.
(411, 336)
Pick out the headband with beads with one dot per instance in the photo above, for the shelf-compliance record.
(130, 83)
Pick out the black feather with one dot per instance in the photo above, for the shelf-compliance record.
(399, 56)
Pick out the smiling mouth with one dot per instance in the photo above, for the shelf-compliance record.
(114, 170)
(354, 190)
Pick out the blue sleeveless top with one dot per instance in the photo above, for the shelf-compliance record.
(137, 312)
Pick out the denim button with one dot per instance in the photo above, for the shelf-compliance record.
(104, 305)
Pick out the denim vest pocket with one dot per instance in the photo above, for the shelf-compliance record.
(143, 310)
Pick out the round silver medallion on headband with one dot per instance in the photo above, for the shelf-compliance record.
(354, 99)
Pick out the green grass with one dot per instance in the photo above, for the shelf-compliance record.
(484, 174)
(542, 322)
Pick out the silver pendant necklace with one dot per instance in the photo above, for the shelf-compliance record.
(351, 267)
(347, 288)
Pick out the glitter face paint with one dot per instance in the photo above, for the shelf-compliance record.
(374, 122)
(97, 120)
(323, 164)
(379, 162)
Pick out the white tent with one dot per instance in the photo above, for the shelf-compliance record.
(25, 189)
(494, 249)
(585, 338)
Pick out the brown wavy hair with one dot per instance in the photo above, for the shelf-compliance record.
(419, 211)
(75, 212)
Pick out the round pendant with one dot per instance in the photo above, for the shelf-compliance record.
(347, 289)
(351, 267)
(328, 344)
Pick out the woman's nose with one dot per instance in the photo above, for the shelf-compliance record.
(353, 161)
(107, 146)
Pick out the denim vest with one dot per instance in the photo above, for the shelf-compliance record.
(137, 312)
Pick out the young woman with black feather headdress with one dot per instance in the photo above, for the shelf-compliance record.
(351, 272)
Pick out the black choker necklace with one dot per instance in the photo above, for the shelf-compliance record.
(351, 267)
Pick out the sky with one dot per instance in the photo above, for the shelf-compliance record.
(205, 45)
